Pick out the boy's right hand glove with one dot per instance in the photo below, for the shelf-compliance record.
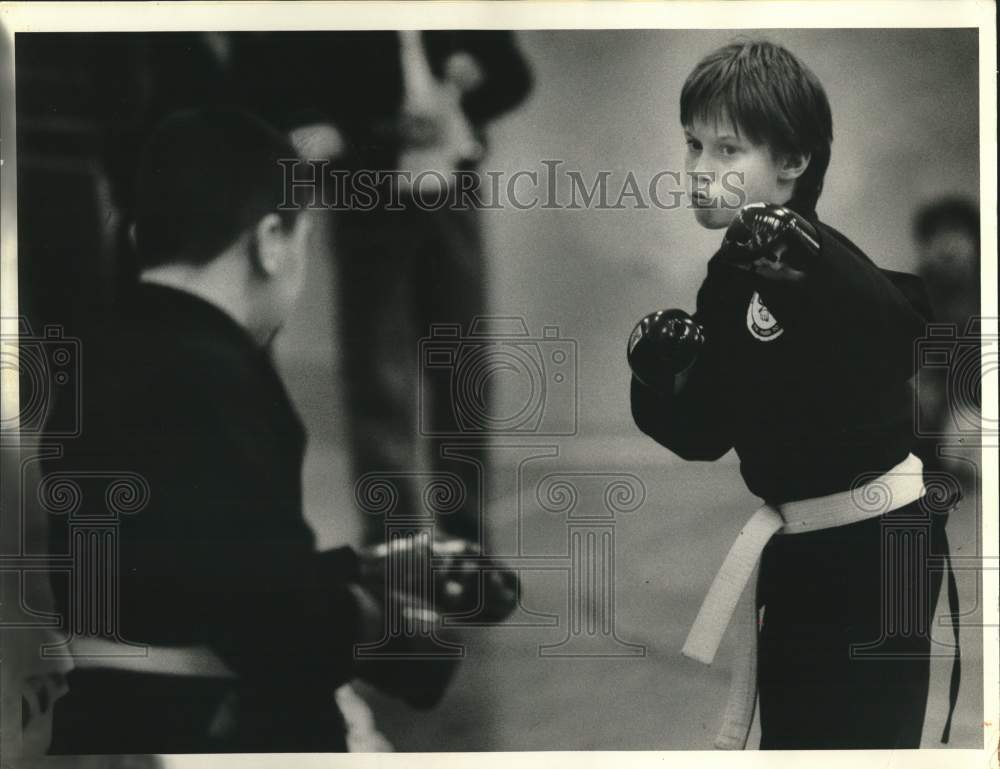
(468, 583)
(662, 345)
(461, 581)
(771, 238)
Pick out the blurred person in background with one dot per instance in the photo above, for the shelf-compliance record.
(947, 236)
(422, 106)
(946, 231)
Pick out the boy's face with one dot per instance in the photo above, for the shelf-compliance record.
(725, 171)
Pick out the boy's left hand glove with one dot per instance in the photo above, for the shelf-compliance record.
(773, 241)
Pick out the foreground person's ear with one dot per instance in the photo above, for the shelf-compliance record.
(267, 246)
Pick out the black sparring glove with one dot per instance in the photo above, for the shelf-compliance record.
(462, 581)
(773, 233)
(467, 583)
(662, 345)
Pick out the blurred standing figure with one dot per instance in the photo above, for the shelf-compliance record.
(947, 234)
(416, 102)
(948, 259)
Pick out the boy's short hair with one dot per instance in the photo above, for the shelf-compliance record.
(204, 177)
(769, 96)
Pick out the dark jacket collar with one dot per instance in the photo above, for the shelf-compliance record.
(176, 318)
(178, 312)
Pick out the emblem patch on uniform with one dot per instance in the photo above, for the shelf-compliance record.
(760, 322)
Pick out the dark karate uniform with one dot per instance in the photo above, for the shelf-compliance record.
(220, 555)
(812, 404)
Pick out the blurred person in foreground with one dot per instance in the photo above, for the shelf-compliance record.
(249, 627)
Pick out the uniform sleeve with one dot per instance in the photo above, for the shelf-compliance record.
(692, 423)
(915, 291)
(853, 310)
(223, 555)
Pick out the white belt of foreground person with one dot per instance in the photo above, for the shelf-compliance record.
(92, 652)
(732, 593)
(95, 652)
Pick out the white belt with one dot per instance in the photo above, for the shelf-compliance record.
(729, 596)
(91, 652)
